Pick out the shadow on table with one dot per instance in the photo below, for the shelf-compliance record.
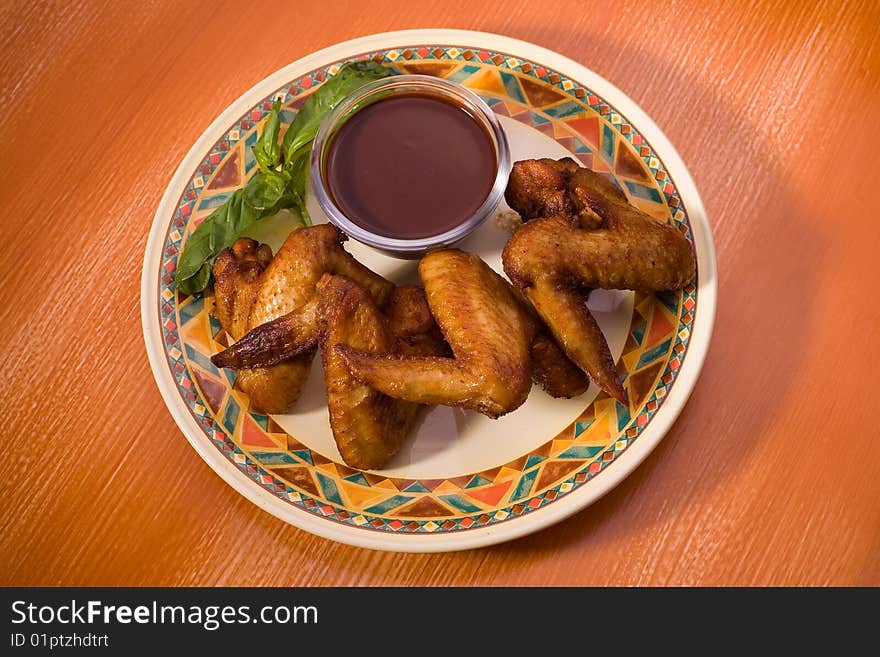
(747, 376)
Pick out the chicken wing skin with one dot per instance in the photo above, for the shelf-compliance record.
(554, 371)
(368, 426)
(286, 283)
(415, 331)
(291, 278)
(238, 273)
(580, 233)
(488, 330)
(629, 250)
(275, 342)
(543, 188)
(298, 332)
(578, 333)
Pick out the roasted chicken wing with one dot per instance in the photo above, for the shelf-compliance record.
(368, 426)
(580, 233)
(251, 289)
(238, 275)
(486, 326)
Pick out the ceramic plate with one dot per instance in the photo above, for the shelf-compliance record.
(461, 480)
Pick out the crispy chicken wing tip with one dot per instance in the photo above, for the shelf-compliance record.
(274, 342)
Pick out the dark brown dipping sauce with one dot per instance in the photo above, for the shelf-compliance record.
(410, 166)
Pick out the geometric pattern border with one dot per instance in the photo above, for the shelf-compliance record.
(659, 333)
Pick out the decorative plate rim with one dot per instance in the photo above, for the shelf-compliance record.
(622, 466)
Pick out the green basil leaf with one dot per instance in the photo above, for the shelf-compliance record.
(265, 189)
(197, 283)
(267, 151)
(305, 124)
(297, 171)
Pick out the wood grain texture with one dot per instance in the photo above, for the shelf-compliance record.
(770, 476)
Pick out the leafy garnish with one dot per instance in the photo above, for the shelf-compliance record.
(266, 150)
(265, 190)
(297, 171)
(280, 183)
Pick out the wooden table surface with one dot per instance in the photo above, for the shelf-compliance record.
(771, 475)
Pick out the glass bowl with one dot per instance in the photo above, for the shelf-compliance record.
(400, 85)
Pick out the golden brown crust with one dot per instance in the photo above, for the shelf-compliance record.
(298, 332)
(551, 368)
(280, 340)
(554, 371)
(629, 251)
(537, 188)
(575, 330)
(236, 274)
(543, 188)
(415, 331)
(583, 234)
(368, 426)
(308, 253)
(275, 389)
(487, 329)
